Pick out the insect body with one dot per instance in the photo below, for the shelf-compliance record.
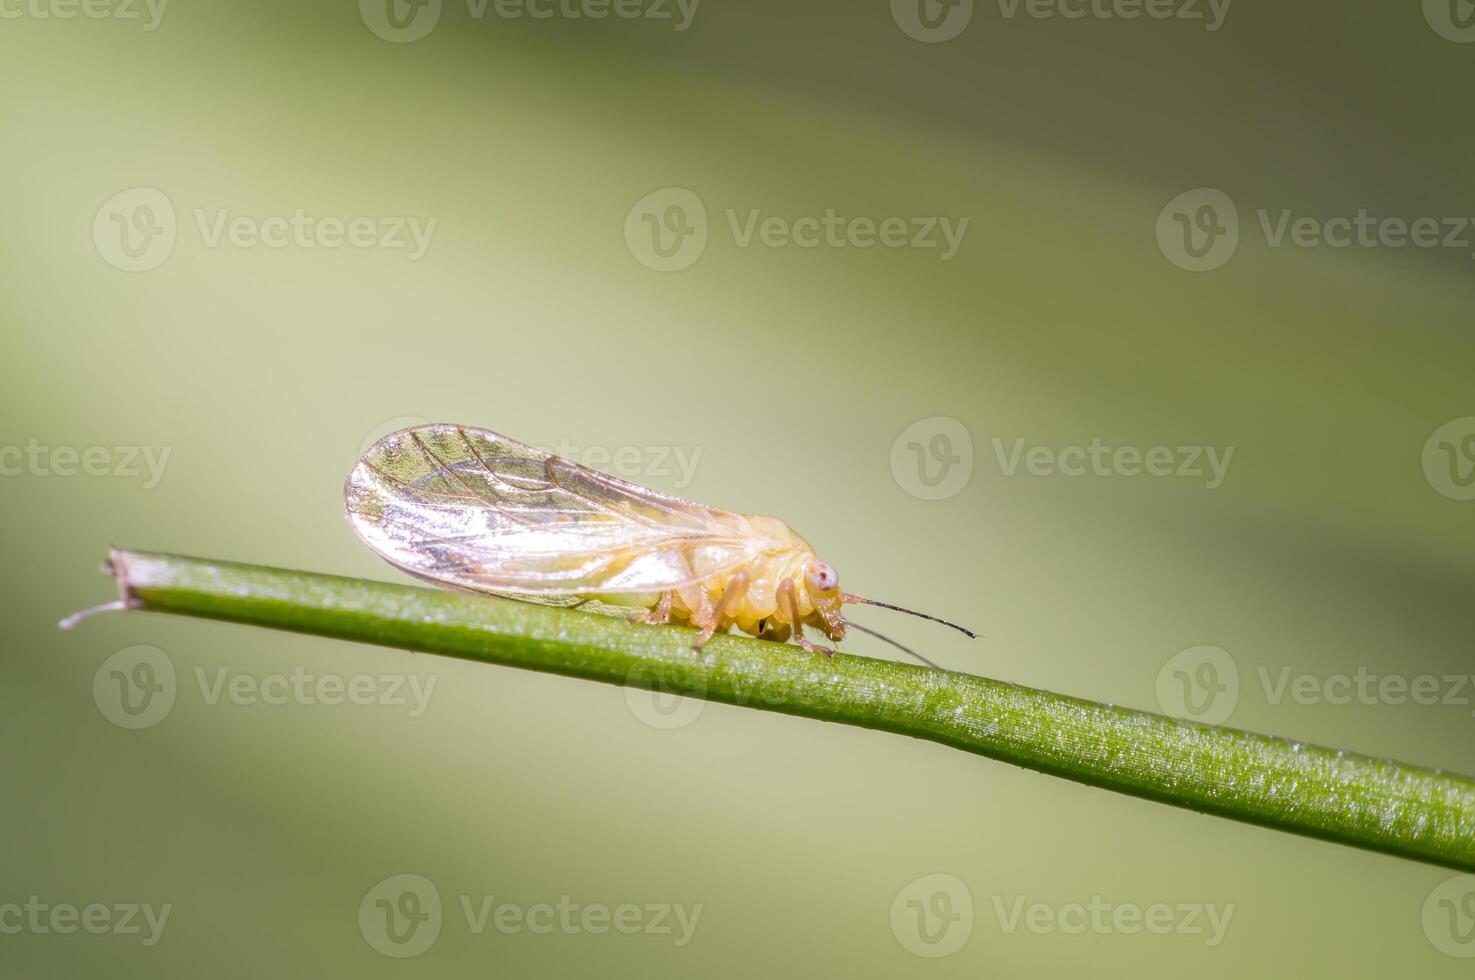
(472, 510)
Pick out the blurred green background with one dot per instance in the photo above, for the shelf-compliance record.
(831, 386)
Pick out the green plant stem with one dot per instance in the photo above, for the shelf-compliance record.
(1371, 803)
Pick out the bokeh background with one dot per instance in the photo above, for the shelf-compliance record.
(842, 388)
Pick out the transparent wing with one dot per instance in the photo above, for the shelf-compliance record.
(473, 510)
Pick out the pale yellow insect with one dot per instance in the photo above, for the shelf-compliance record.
(472, 510)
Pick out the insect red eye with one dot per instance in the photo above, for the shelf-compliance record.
(822, 577)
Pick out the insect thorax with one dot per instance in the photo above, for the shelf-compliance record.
(783, 555)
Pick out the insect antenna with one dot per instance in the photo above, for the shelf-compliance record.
(883, 637)
(910, 612)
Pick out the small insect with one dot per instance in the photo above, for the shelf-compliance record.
(471, 510)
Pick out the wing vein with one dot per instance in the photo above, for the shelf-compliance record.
(473, 510)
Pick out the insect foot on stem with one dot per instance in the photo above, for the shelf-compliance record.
(658, 615)
(815, 648)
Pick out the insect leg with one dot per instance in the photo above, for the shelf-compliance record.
(660, 614)
(737, 587)
(786, 603)
(774, 631)
(694, 601)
